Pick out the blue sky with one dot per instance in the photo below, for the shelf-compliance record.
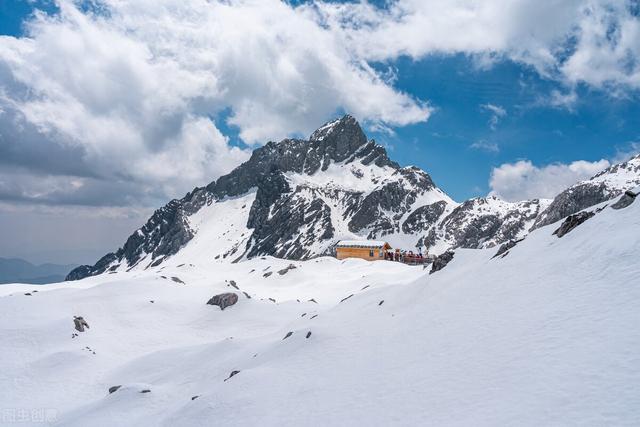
(109, 109)
(597, 126)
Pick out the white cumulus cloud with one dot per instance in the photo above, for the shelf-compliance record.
(129, 91)
(523, 180)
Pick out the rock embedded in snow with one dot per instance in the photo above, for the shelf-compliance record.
(572, 221)
(627, 198)
(505, 247)
(79, 323)
(286, 269)
(346, 298)
(224, 300)
(231, 375)
(441, 261)
(288, 335)
(114, 388)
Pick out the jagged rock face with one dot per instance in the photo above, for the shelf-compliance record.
(424, 217)
(337, 185)
(483, 223)
(163, 235)
(294, 225)
(381, 210)
(603, 186)
(338, 141)
(574, 200)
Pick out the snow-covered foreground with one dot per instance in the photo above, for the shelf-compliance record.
(547, 335)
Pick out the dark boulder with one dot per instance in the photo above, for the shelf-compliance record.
(627, 198)
(114, 388)
(572, 221)
(79, 323)
(441, 261)
(224, 300)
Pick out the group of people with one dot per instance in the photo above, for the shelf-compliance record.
(404, 256)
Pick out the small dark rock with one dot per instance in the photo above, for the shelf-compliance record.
(267, 274)
(288, 335)
(303, 314)
(504, 248)
(28, 294)
(195, 397)
(285, 270)
(365, 287)
(344, 299)
(146, 390)
(314, 316)
(114, 388)
(224, 300)
(313, 300)
(156, 262)
(308, 334)
(246, 295)
(233, 373)
(177, 280)
(571, 222)
(381, 302)
(233, 283)
(271, 299)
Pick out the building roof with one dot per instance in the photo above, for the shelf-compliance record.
(361, 243)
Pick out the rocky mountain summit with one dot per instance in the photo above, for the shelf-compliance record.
(296, 198)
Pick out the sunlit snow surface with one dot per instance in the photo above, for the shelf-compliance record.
(547, 335)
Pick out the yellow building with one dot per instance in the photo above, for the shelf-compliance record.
(370, 250)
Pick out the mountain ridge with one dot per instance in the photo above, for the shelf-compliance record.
(14, 270)
(301, 196)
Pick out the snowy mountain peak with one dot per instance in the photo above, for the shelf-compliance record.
(297, 198)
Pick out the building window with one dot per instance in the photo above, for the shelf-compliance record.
(371, 253)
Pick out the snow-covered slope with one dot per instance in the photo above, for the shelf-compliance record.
(296, 198)
(544, 335)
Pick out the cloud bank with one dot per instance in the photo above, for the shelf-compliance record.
(523, 180)
(120, 98)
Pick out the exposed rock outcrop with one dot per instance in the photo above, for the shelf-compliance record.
(572, 221)
(80, 324)
(441, 261)
(224, 300)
